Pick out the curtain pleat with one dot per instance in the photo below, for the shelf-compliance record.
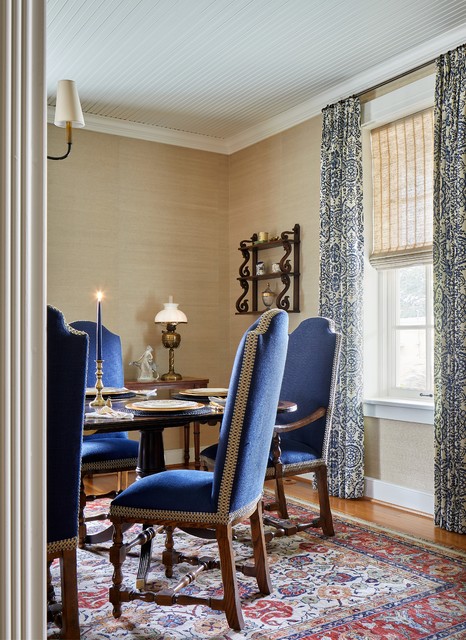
(341, 286)
(449, 255)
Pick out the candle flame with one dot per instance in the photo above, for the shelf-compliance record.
(100, 295)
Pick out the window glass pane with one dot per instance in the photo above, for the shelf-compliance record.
(412, 295)
(411, 361)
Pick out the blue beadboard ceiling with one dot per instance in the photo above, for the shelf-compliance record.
(235, 70)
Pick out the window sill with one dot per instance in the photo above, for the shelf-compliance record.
(400, 410)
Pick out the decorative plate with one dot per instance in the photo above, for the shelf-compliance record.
(109, 391)
(203, 393)
(165, 405)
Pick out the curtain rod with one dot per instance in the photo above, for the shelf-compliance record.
(398, 77)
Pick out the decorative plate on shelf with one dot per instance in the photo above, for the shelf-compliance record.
(203, 393)
(165, 405)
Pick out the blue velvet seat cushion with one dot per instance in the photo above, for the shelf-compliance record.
(176, 490)
(108, 449)
(295, 453)
(292, 453)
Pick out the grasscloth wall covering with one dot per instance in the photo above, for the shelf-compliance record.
(155, 220)
(142, 221)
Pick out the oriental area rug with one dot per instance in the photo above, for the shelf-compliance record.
(366, 583)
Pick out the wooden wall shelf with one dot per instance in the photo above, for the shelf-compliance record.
(250, 301)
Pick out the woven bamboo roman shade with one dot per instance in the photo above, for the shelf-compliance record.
(402, 174)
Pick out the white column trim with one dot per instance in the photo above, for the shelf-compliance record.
(22, 319)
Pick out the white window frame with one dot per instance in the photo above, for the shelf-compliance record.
(388, 301)
(377, 403)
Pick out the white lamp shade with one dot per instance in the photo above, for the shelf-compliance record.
(170, 314)
(68, 107)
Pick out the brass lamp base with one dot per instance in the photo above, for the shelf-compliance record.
(171, 340)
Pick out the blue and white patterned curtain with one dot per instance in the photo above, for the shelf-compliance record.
(341, 286)
(450, 290)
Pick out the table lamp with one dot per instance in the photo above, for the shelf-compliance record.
(171, 316)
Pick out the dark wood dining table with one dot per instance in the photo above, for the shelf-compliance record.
(151, 458)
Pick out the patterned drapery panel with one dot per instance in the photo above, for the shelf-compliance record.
(341, 286)
(450, 290)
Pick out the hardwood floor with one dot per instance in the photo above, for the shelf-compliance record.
(384, 515)
(402, 520)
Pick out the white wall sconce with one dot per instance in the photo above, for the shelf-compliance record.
(68, 112)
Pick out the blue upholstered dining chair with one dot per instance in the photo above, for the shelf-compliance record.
(104, 452)
(199, 500)
(301, 439)
(66, 386)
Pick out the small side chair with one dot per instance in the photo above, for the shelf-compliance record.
(66, 388)
(197, 501)
(104, 452)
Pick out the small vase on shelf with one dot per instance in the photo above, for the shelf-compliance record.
(268, 296)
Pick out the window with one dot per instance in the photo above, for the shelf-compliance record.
(408, 342)
(402, 175)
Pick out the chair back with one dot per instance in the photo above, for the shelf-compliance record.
(309, 380)
(250, 413)
(113, 371)
(66, 387)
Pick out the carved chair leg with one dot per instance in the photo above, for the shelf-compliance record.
(170, 555)
(144, 561)
(326, 519)
(231, 599)
(69, 594)
(280, 498)
(117, 557)
(82, 529)
(260, 554)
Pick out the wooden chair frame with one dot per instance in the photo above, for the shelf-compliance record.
(230, 603)
(319, 467)
(66, 613)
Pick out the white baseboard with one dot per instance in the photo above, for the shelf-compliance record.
(394, 494)
(176, 456)
(399, 496)
(377, 489)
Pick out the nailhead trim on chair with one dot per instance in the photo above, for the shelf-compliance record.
(104, 465)
(290, 469)
(62, 545)
(239, 409)
(186, 516)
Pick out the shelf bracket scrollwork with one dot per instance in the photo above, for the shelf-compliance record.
(242, 305)
(282, 300)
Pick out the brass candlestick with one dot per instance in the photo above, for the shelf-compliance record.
(99, 385)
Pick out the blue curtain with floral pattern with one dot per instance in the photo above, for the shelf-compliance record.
(341, 286)
(449, 255)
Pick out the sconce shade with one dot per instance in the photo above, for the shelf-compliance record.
(170, 314)
(68, 107)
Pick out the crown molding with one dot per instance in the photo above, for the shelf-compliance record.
(396, 66)
(400, 64)
(150, 133)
